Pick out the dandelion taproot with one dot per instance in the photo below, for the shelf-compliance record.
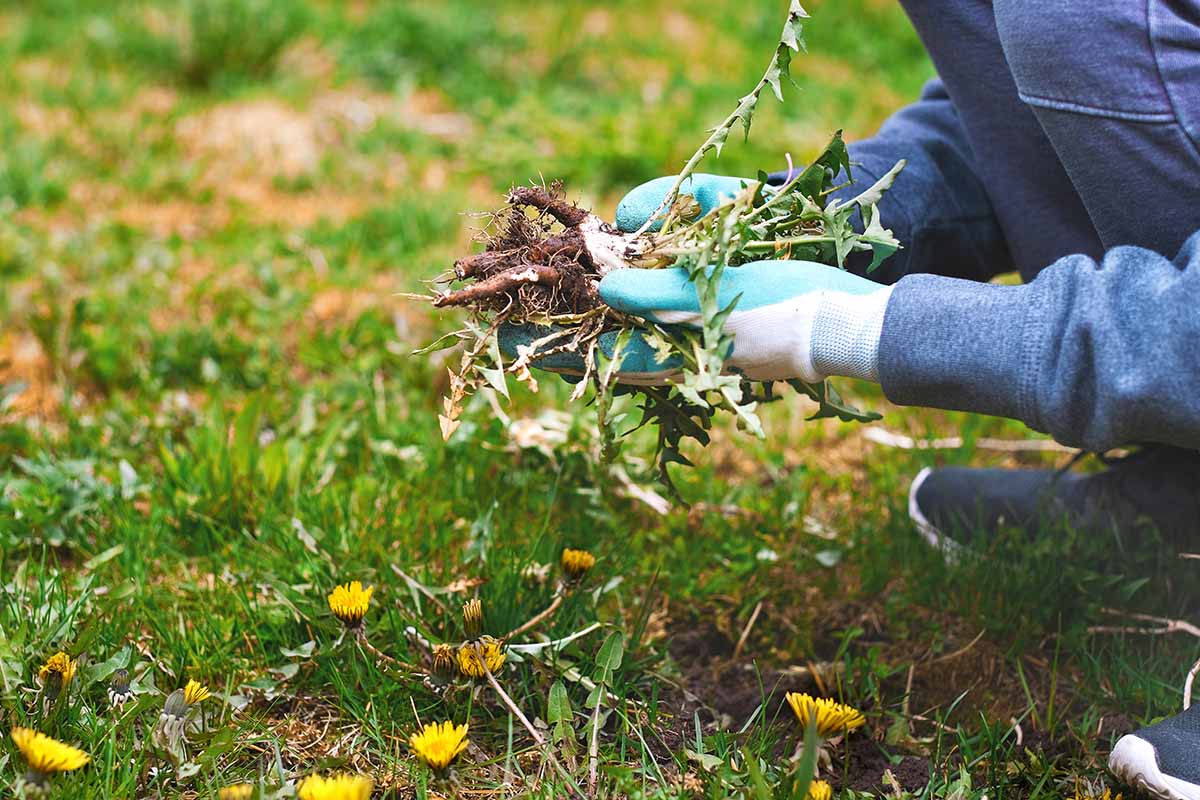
(472, 612)
(238, 791)
(833, 718)
(577, 563)
(474, 655)
(55, 675)
(349, 602)
(819, 790)
(439, 743)
(336, 787)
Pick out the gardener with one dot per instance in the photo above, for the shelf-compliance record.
(1063, 140)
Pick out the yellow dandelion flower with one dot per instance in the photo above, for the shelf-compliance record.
(491, 649)
(576, 563)
(439, 743)
(55, 675)
(472, 612)
(46, 756)
(1084, 794)
(349, 602)
(819, 790)
(195, 692)
(336, 787)
(238, 791)
(443, 659)
(833, 718)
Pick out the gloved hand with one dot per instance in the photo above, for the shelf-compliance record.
(708, 190)
(793, 319)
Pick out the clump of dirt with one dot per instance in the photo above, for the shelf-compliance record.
(866, 765)
(727, 689)
(723, 690)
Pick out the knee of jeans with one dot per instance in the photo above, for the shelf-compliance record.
(1080, 55)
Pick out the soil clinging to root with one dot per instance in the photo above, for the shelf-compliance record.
(544, 257)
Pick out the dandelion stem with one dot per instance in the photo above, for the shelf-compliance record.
(520, 715)
(361, 637)
(559, 594)
(594, 749)
(744, 111)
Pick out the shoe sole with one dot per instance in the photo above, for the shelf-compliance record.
(951, 550)
(1133, 761)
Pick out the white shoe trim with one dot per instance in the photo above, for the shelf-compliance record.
(950, 548)
(1134, 761)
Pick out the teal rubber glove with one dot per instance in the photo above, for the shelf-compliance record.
(793, 319)
(708, 190)
(639, 361)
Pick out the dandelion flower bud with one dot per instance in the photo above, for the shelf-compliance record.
(577, 563)
(119, 692)
(443, 660)
(472, 612)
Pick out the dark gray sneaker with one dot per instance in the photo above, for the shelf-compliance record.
(1162, 760)
(1156, 488)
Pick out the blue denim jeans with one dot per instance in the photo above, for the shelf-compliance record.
(1062, 139)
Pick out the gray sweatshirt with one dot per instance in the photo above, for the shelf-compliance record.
(1061, 140)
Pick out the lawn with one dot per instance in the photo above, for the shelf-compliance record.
(211, 415)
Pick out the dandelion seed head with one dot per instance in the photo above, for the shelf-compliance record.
(336, 787)
(349, 602)
(439, 743)
(492, 652)
(833, 718)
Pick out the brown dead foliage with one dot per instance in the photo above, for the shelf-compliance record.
(24, 362)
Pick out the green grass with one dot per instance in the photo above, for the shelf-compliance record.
(210, 414)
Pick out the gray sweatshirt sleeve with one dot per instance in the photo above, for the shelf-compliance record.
(1098, 355)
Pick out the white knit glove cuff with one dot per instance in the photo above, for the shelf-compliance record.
(846, 333)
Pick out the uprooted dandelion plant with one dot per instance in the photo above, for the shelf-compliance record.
(544, 258)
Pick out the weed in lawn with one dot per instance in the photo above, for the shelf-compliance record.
(209, 418)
